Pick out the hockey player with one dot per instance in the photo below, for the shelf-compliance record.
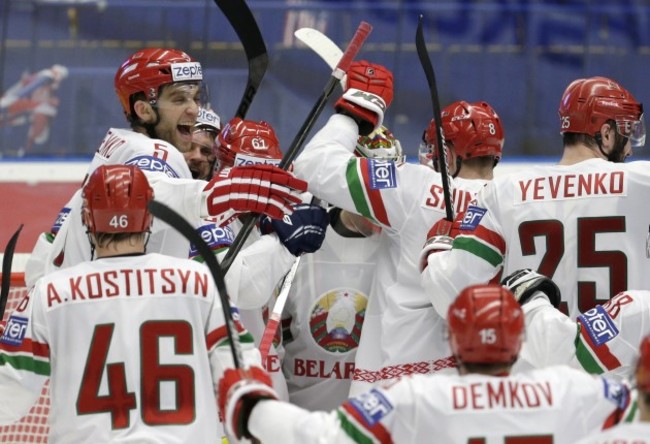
(482, 403)
(638, 432)
(202, 154)
(603, 340)
(266, 258)
(325, 308)
(402, 334)
(580, 222)
(159, 91)
(133, 343)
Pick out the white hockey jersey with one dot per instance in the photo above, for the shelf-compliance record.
(323, 319)
(584, 225)
(604, 340)
(133, 345)
(402, 333)
(635, 433)
(555, 405)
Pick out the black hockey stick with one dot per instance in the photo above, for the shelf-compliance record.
(177, 221)
(344, 64)
(7, 259)
(243, 22)
(423, 55)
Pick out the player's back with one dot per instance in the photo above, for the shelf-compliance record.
(583, 225)
(555, 405)
(128, 354)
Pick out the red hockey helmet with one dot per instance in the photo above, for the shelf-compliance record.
(486, 325)
(149, 69)
(474, 129)
(115, 200)
(588, 103)
(245, 142)
(643, 366)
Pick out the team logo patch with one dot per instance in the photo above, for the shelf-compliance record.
(372, 406)
(214, 236)
(616, 392)
(336, 319)
(473, 216)
(15, 331)
(599, 325)
(155, 164)
(63, 215)
(382, 174)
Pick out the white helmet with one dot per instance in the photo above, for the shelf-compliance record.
(380, 144)
(208, 120)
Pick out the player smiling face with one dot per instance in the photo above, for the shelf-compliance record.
(178, 108)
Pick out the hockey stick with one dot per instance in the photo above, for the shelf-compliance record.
(274, 318)
(344, 64)
(7, 259)
(177, 221)
(423, 55)
(243, 22)
(276, 313)
(321, 45)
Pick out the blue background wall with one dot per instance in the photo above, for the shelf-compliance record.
(517, 55)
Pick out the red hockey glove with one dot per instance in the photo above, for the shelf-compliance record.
(439, 238)
(239, 391)
(368, 93)
(263, 189)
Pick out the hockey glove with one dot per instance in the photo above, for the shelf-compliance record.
(303, 231)
(369, 92)
(525, 283)
(439, 238)
(264, 189)
(239, 391)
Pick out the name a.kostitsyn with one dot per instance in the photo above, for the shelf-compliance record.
(127, 283)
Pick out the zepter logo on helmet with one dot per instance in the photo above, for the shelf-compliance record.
(115, 200)
(587, 104)
(486, 325)
(147, 70)
(472, 129)
(208, 120)
(245, 142)
(380, 144)
(643, 366)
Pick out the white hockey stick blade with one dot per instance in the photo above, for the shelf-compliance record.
(321, 45)
(276, 314)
